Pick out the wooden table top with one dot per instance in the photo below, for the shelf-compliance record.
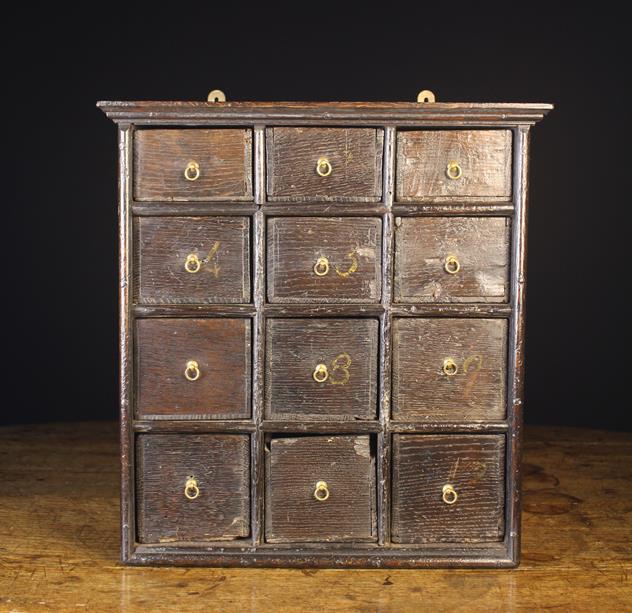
(59, 533)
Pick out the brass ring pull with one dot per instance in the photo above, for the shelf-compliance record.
(191, 489)
(454, 171)
(320, 374)
(323, 167)
(192, 171)
(449, 367)
(449, 494)
(452, 265)
(321, 493)
(321, 268)
(192, 264)
(192, 371)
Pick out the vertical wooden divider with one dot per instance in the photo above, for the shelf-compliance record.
(384, 437)
(258, 361)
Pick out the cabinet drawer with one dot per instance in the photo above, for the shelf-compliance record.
(448, 488)
(451, 259)
(195, 368)
(449, 369)
(320, 488)
(192, 487)
(321, 368)
(192, 260)
(452, 165)
(324, 164)
(193, 164)
(314, 259)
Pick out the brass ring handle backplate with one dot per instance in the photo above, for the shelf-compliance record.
(449, 367)
(321, 268)
(192, 264)
(448, 494)
(323, 167)
(320, 374)
(192, 371)
(192, 171)
(452, 265)
(191, 489)
(454, 171)
(321, 493)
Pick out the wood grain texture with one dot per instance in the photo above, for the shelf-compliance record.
(423, 392)
(355, 155)
(483, 155)
(222, 348)
(222, 246)
(59, 534)
(224, 157)
(295, 465)
(220, 464)
(481, 246)
(349, 350)
(352, 246)
(473, 465)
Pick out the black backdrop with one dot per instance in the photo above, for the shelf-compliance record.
(60, 211)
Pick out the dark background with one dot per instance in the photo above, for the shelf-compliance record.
(60, 211)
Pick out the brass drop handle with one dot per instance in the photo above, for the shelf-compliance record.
(192, 171)
(321, 493)
(191, 489)
(323, 167)
(454, 171)
(449, 494)
(452, 265)
(192, 264)
(449, 367)
(321, 268)
(320, 374)
(192, 371)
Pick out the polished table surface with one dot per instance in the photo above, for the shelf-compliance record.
(59, 534)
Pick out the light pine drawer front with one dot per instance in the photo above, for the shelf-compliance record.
(446, 165)
(455, 259)
(448, 488)
(321, 368)
(193, 164)
(193, 368)
(449, 370)
(192, 260)
(320, 488)
(311, 164)
(192, 487)
(315, 259)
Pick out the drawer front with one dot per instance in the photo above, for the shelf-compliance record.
(324, 163)
(321, 368)
(193, 368)
(313, 259)
(320, 488)
(193, 164)
(192, 487)
(451, 259)
(448, 488)
(445, 165)
(449, 369)
(192, 260)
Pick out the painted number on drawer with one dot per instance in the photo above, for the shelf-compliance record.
(193, 264)
(321, 267)
(337, 373)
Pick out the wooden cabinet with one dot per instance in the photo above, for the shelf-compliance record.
(322, 332)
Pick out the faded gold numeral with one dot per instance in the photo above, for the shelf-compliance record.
(352, 268)
(337, 374)
(474, 362)
(340, 365)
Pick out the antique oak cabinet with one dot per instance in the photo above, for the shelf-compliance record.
(322, 331)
